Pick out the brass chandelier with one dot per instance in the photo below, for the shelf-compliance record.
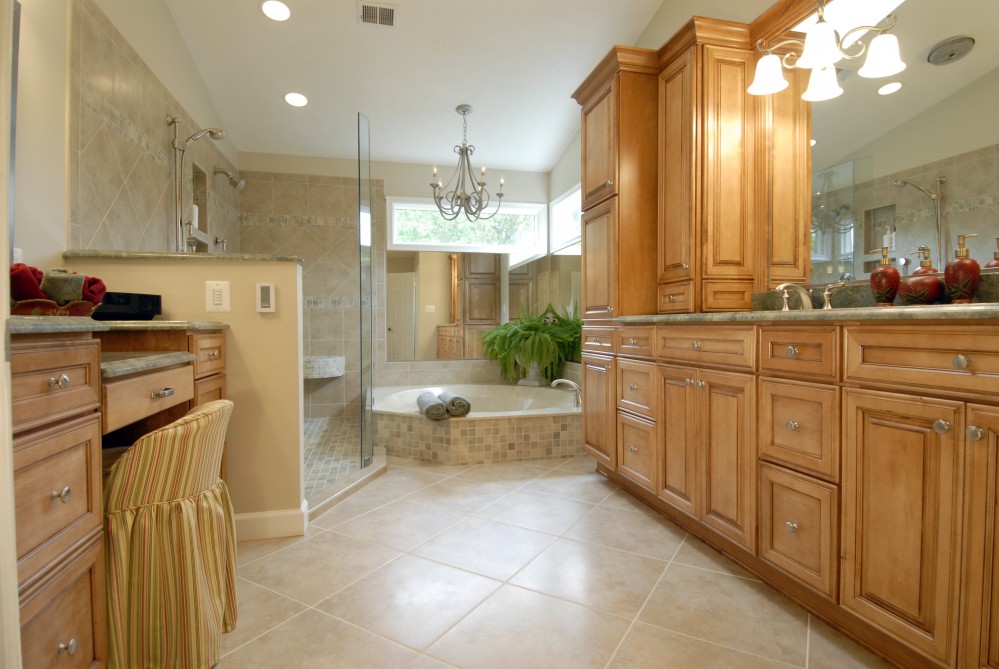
(464, 194)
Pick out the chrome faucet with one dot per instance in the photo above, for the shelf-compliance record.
(577, 394)
(804, 295)
(827, 293)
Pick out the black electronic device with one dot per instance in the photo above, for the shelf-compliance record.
(127, 307)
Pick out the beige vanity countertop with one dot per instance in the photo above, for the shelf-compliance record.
(933, 312)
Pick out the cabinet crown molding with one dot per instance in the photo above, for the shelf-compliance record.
(618, 59)
(703, 30)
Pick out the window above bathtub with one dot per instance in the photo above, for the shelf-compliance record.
(415, 224)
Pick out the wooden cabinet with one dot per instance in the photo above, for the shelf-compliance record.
(636, 449)
(618, 101)
(708, 236)
(599, 414)
(450, 342)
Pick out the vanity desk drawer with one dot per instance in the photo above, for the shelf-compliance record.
(799, 426)
(50, 380)
(727, 346)
(210, 352)
(810, 352)
(636, 341)
(636, 388)
(636, 449)
(133, 398)
(598, 339)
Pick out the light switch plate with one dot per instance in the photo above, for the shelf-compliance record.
(266, 299)
(217, 296)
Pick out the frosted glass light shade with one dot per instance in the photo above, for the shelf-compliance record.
(822, 85)
(769, 76)
(883, 59)
(821, 47)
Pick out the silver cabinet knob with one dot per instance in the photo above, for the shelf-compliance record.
(214, 354)
(632, 386)
(701, 384)
(791, 527)
(62, 496)
(791, 425)
(630, 341)
(68, 648)
(695, 345)
(62, 382)
(608, 183)
(792, 351)
(961, 361)
(974, 433)
(159, 394)
(633, 449)
(941, 426)
(687, 382)
(671, 299)
(684, 266)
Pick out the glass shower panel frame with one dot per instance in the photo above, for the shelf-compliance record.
(366, 288)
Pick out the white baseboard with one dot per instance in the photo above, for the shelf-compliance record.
(272, 524)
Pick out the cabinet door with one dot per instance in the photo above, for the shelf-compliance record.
(636, 449)
(726, 425)
(678, 163)
(599, 148)
(902, 487)
(677, 438)
(600, 261)
(599, 412)
(983, 498)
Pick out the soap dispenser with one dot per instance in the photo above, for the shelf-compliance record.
(925, 285)
(884, 280)
(995, 257)
(962, 274)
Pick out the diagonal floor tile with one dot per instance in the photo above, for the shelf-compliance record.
(648, 647)
(696, 553)
(248, 551)
(642, 533)
(828, 649)
(534, 511)
(511, 474)
(257, 610)
(585, 487)
(460, 496)
(402, 525)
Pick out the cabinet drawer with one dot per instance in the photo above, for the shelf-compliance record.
(954, 358)
(798, 527)
(67, 611)
(130, 399)
(636, 388)
(732, 347)
(210, 352)
(57, 491)
(727, 295)
(676, 298)
(799, 426)
(809, 352)
(598, 340)
(635, 341)
(636, 441)
(51, 380)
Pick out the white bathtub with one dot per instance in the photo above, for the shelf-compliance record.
(507, 423)
(488, 401)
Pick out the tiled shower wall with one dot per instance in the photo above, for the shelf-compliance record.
(121, 158)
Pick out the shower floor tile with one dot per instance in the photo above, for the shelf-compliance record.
(332, 451)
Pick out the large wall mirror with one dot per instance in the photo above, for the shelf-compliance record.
(885, 167)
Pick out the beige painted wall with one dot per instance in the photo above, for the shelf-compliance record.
(433, 288)
(263, 373)
(673, 14)
(566, 174)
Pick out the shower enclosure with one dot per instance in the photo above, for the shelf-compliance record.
(366, 287)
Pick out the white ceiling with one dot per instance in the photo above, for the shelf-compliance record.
(516, 62)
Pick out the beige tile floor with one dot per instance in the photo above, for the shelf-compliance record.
(511, 566)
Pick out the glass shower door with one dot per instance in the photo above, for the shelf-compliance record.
(366, 301)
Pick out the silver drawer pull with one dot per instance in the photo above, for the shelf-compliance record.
(974, 433)
(631, 342)
(632, 387)
(941, 426)
(791, 527)
(961, 361)
(633, 449)
(791, 425)
(671, 299)
(701, 384)
(68, 648)
(62, 382)
(608, 183)
(684, 265)
(792, 351)
(159, 394)
(61, 496)
(687, 382)
(695, 345)
(214, 354)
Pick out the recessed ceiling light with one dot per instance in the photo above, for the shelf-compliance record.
(275, 9)
(296, 99)
(888, 89)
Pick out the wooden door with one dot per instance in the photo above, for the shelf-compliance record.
(677, 439)
(678, 165)
(902, 488)
(599, 410)
(401, 316)
(600, 261)
(983, 502)
(599, 148)
(726, 426)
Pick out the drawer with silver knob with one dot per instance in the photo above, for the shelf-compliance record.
(731, 346)
(676, 298)
(799, 426)
(598, 339)
(809, 352)
(129, 399)
(210, 352)
(52, 379)
(636, 387)
(635, 341)
(636, 442)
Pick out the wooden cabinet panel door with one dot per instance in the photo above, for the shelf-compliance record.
(678, 163)
(677, 438)
(727, 424)
(600, 411)
(983, 448)
(599, 149)
(902, 495)
(599, 264)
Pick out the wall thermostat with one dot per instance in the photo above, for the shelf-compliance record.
(265, 297)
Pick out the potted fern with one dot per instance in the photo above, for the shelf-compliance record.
(544, 342)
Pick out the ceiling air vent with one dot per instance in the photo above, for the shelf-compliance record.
(379, 15)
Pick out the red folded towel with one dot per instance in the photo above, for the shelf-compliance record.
(93, 289)
(25, 282)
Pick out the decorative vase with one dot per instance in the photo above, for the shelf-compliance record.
(533, 377)
(925, 285)
(884, 281)
(962, 274)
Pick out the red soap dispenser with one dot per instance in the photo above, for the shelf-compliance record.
(925, 285)
(995, 257)
(884, 280)
(962, 274)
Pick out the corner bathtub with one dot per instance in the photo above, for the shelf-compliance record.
(507, 423)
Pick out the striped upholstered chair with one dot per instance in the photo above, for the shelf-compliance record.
(170, 547)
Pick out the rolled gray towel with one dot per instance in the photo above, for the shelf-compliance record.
(431, 407)
(456, 405)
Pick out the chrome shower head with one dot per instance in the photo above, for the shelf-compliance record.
(214, 133)
(234, 181)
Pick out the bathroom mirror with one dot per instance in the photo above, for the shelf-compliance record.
(939, 125)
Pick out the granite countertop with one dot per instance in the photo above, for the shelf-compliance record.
(989, 310)
(157, 255)
(154, 324)
(123, 363)
(50, 324)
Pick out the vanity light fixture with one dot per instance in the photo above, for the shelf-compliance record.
(275, 10)
(822, 49)
(453, 199)
(296, 99)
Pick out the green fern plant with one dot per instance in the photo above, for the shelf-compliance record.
(549, 340)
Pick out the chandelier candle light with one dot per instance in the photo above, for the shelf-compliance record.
(821, 50)
(463, 194)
